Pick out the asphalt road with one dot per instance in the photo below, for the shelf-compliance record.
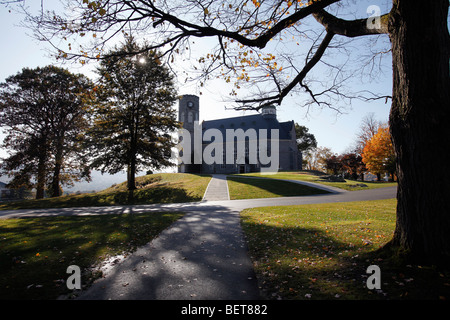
(202, 256)
(234, 205)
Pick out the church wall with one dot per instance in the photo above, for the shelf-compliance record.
(289, 157)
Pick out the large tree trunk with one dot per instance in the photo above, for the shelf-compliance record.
(56, 192)
(131, 176)
(419, 122)
(41, 173)
(131, 172)
(131, 181)
(41, 167)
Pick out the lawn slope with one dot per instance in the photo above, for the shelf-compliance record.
(318, 177)
(154, 188)
(254, 188)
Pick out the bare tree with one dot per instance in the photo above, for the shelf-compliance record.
(368, 128)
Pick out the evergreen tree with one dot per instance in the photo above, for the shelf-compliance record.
(305, 141)
(133, 121)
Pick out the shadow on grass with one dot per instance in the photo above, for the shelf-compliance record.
(35, 253)
(305, 263)
(258, 187)
(161, 194)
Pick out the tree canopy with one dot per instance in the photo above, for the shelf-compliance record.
(306, 141)
(134, 117)
(378, 154)
(43, 112)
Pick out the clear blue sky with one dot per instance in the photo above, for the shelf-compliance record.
(337, 132)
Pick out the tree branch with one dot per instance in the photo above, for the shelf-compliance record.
(191, 29)
(277, 99)
(350, 28)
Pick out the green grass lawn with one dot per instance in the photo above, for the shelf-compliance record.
(155, 188)
(248, 188)
(350, 185)
(321, 252)
(35, 252)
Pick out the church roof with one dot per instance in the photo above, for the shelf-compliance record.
(256, 122)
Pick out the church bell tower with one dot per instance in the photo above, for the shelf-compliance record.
(188, 113)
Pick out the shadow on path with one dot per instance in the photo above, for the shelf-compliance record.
(201, 256)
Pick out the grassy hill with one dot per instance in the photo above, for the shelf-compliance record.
(317, 177)
(248, 188)
(155, 188)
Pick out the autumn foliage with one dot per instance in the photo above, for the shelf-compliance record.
(379, 155)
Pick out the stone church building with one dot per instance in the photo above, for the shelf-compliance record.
(234, 159)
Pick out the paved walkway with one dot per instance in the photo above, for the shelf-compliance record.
(207, 206)
(217, 189)
(201, 256)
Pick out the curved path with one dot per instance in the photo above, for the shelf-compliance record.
(201, 256)
(233, 205)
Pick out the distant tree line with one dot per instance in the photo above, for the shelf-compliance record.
(59, 126)
(372, 152)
